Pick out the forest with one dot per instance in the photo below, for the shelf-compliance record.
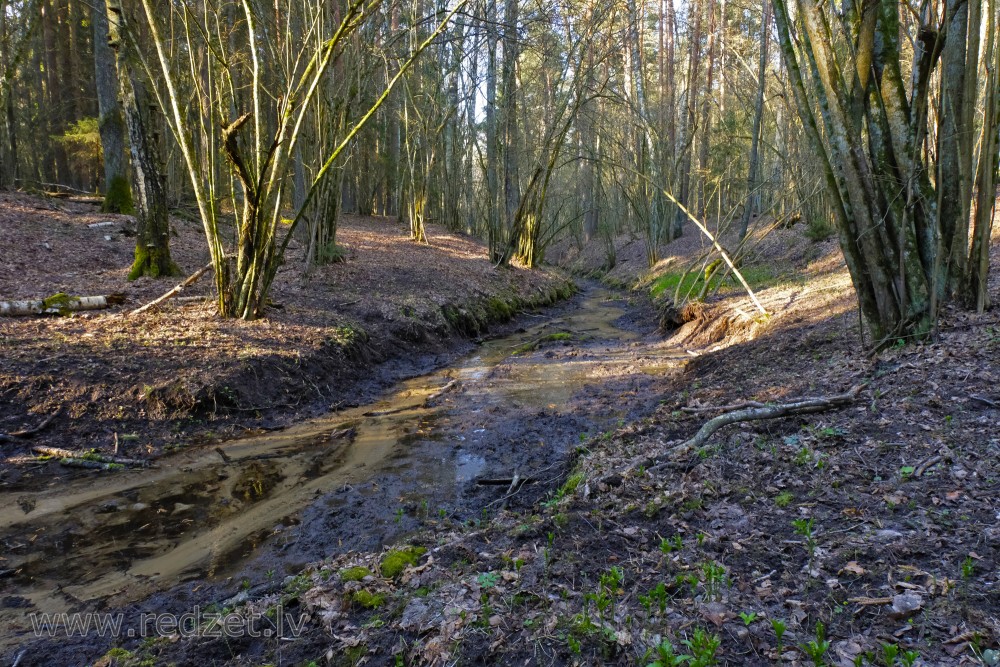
(653, 332)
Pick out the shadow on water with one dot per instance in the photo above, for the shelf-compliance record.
(200, 514)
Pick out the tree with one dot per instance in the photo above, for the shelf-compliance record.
(901, 233)
(152, 246)
(118, 196)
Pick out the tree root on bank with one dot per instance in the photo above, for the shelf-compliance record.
(757, 413)
(28, 432)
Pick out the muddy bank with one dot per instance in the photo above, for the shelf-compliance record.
(197, 528)
(160, 381)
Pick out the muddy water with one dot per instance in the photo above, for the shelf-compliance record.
(200, 514)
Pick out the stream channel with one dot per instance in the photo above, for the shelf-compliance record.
(198, 525)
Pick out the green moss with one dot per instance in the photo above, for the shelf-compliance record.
(118, 198)
(368, 600)
(153, 262)
(394, 562)
(58, 303)
(356, 573)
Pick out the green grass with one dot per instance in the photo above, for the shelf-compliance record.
(693, 281)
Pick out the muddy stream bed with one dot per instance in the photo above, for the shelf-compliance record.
(202, 526)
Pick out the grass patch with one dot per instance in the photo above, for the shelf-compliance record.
(692, 283)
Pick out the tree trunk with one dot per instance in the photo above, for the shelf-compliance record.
(752, 202)
(152, 247)
(110, 121)
(690, 118)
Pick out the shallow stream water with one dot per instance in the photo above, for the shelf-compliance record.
(513, 404)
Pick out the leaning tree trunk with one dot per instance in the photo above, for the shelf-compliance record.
(152, 248)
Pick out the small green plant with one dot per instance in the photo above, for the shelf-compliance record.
(817, 648)
(968, 567)
(574, 644)
(906, 471)
(488, 579)
(688, 579)
(668, 546)
(779, 627)
(666, 655)
(889, 654)
(783, 499)
(715, 579)
(657, 596)
(806, 528)
(909, 658)
(748, 617)
(703, 647)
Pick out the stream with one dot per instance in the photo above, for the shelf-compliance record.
(353, 479)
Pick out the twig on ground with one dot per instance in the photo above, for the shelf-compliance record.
(984, 401)
(192, 279)
(922, 468)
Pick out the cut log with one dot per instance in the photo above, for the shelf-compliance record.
(58, 304)
(191, 280)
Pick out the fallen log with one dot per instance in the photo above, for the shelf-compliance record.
(177, 289)
(91, 457)
(775, 411)
(58, 304)
(91, 464)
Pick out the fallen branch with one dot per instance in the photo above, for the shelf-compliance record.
(28, 432)
(723, 408)
(58, 304)
(191, 280)
(504, 481)
(443, 390)
(805, 406)
(74, 458)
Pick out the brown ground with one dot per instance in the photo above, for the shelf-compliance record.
(901, 488)
(160, 378)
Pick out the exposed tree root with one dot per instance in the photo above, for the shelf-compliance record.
(28, 432)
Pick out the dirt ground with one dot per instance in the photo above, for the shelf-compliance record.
(863, 535)
(146, 384)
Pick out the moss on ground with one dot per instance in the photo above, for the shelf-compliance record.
(394, 562)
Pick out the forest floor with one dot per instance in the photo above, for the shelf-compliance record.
(138, 386)
(863, 535)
